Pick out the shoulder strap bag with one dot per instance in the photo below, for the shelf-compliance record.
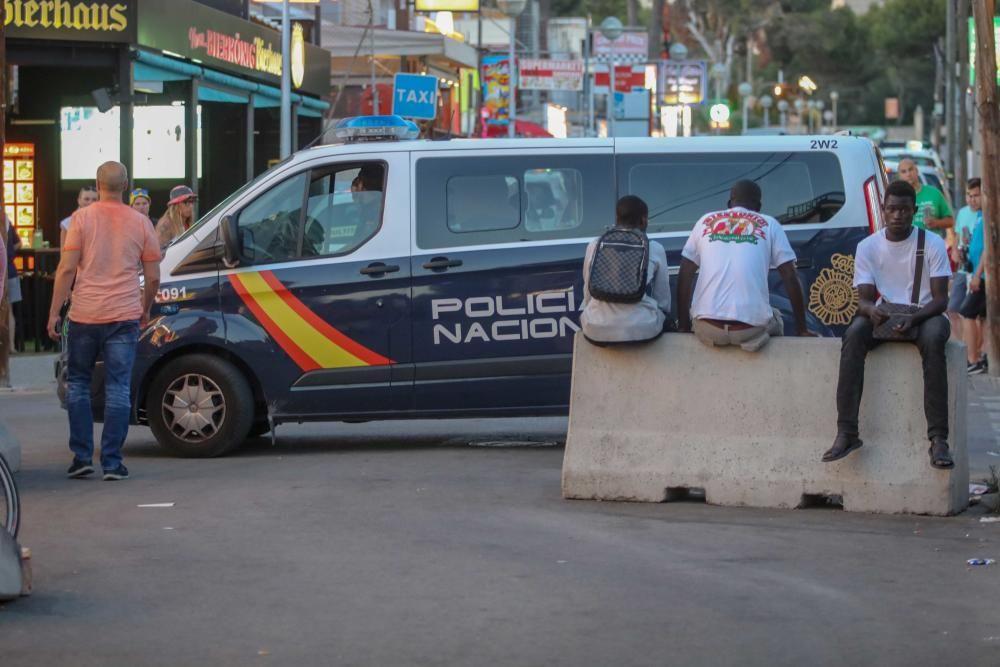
(898, 311)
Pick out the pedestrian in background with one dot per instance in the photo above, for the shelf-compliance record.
(106, 245)
(932, 210)
(13, 280)
(886, 264)
(139, 200)
(973, 309)
(84, 198)
(958, 240)
(178, 218)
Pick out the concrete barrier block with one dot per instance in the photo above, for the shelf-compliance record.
(649, 421)
(9, 447)
(10, 567)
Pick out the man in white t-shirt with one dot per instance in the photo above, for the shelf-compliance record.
(732, 252)
(604, 322)
(885, 264)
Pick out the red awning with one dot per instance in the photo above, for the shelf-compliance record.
(522, 128)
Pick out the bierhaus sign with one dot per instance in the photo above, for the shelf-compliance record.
(80, 20)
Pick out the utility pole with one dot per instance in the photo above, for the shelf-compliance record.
(285, 124)
(961, 168)
(989, 126)
(950, 94)
(4, 301)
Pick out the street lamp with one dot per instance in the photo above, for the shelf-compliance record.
(810, 108)
(744, 90)
(678, 51)
(719, 71)
(612, 28)
(783, 112)
(512, 9)
(834, 96)
(820, 105)
(799, 104)
(766, 102)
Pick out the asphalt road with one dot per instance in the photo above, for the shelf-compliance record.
(402, 544)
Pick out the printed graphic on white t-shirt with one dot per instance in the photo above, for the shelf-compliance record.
(734, 250)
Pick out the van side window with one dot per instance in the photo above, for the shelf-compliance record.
(799, 188)
(344, 208)
(489, 199)
(483, 203)
(269, 226)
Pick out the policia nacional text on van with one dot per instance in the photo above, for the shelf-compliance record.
(450, 284)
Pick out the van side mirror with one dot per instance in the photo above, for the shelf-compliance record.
(229, 230)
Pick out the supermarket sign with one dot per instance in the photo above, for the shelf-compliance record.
(537, 74)
(972, 48)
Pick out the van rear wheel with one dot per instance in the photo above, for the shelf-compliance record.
(200, 406)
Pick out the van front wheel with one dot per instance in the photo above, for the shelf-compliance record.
(200, 406)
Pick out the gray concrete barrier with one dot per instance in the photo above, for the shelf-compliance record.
(649, 422)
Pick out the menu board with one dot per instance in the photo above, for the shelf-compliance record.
(19, 189)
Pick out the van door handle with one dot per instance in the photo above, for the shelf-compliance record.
(378, 269)
(441, 263)
(804, 264)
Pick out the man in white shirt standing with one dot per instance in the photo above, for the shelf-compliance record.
(885, 263)
(732, 252)
(604, 322)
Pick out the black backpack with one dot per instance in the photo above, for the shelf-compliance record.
(618, 271)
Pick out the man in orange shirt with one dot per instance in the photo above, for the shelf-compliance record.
(105, 246)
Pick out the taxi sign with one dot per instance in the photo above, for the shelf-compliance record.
(415, 96)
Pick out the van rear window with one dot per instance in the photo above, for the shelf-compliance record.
(798, 188)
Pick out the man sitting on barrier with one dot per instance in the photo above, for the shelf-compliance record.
(732, 251)
(892, 263)
(626, 282)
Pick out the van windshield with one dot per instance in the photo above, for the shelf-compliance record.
(226, 202)
(679, 188)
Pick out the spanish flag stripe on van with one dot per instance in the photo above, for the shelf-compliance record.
(333, 335)
(304, 361)
(307, 339)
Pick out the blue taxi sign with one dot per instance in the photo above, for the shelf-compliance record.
(415, 96)
(376, 128)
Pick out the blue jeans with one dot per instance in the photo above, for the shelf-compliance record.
(116, 342)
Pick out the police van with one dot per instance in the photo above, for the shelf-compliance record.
(410, 279)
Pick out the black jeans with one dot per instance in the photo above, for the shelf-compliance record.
(932, 336)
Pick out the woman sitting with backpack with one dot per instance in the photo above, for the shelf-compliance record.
(626, 282)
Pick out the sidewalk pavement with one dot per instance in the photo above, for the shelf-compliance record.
(32, 372)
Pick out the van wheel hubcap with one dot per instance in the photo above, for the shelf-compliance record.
(194, 408)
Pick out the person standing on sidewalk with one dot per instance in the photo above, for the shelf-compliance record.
(179, 215)
(84, 198)
(958, 246)
(106, 245)
(932, 210)
(973, 309)
(885, 263)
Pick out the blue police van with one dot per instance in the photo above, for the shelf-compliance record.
(398, 279)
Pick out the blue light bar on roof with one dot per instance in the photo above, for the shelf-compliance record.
(376, 128)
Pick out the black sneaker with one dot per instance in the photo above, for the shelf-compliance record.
(977, 368)
(121, 472)
(79, 469)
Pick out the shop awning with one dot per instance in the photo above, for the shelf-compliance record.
(155, 67)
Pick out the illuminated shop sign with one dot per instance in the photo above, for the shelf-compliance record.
(218, 40)
(90, 20)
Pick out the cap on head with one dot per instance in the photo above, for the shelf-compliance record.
(138, 193)
(180, 194)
